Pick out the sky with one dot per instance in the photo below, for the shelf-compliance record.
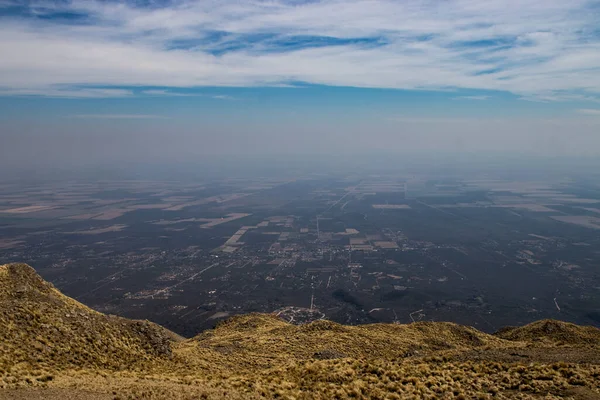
(91, 81)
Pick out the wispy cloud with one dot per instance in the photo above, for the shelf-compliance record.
(157, 92)
(479, 98)
(223, 97)
(118, 116)
(588, 111)
(50, 91)
(168, 93)
(533, 48)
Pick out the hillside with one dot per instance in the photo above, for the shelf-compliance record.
(52, 347)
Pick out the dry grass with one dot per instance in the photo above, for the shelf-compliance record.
(54, 347)
(43, 330)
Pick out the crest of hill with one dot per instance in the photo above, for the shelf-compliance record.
(42, 327)
(262, 340)
(554, 332)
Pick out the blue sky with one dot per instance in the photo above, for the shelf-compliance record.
(217, 69)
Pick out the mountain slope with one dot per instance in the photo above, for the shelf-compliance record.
(42, 327)
(553, 332)
(51, 346)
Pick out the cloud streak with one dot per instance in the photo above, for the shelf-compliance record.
(586, 111)
(479, 98)
(538, 49)
(79, 92)
(160, 92)
(118, 116)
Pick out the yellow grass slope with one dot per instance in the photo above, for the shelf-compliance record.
(42, 328)
(52, 347)
(553, 332)
(261, 340)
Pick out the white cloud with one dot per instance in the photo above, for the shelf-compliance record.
(49, 91)
(158, 92)
(118, 116)
(161, 92)
(533, 48)
(480, 98)
(589, 111)
(223, 97)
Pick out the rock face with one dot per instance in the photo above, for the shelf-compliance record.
(50, 343)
